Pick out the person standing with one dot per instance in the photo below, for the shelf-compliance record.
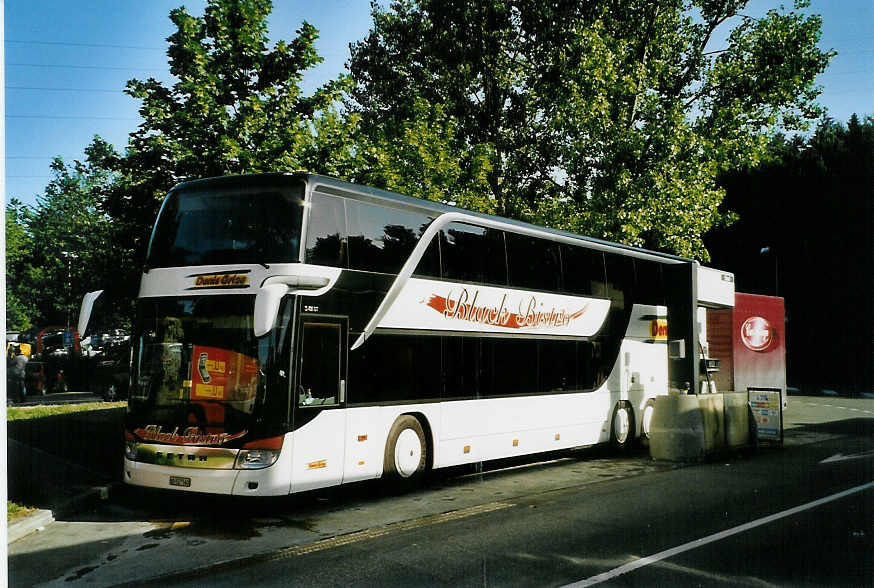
(17, 371)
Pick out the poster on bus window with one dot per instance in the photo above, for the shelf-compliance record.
(221, 374)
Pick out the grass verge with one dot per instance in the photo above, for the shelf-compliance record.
(18, 413)
(14, 511)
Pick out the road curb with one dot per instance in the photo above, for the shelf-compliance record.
(42, 518)
(84, 500)
(24, 526)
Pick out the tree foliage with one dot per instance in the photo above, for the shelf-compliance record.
(608, 118)
(59, 246)
(19, 307)
(236, 108)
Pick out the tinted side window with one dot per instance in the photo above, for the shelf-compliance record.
(583, 271)
(326, 231)
(558, 366)
(463, 367)
(380, 238)
(429, 265)
(620, 279)
(391, 368)
(649, 288)
(473, 254)
(513, 365)
(533, 263)
(591, 366)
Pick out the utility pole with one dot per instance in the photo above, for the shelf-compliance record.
(69, 256)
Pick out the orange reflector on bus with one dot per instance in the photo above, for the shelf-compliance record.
(274, 443)
(362, 438)
(557, 436)
(316, 465)
(515, 443)
(467, 448)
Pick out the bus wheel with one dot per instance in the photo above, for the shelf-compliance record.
(405, 451)
(646, 422)
(622, 429)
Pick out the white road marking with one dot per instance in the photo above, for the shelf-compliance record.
(842, 457)
(840, 407)
(643, 562)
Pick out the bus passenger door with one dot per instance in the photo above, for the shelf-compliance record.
(319, 415)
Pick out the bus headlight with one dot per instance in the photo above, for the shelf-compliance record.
(259, 454)
(130, 446)
(253, 459)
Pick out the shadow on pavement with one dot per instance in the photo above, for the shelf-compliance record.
(855, 427)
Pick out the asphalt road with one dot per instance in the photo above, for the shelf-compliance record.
(796, 515)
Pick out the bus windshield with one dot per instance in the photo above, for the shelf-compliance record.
(197, 366)
(247, 221)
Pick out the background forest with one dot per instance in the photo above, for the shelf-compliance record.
(611, 119)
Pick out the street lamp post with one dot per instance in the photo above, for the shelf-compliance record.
(771, 250)
(69, 256)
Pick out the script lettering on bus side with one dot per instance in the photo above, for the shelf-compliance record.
(529, 313)
(221, 280)
(189, 436)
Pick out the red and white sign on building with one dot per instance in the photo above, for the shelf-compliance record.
(750, 341)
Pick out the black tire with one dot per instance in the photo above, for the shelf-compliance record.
(622, 426)
(406, 452)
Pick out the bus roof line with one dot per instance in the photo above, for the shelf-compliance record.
(439, 208)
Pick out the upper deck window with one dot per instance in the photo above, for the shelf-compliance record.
(243, 222)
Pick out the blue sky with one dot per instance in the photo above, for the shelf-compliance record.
(66, 64)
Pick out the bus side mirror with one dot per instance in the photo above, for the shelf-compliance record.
(267, 307)
(275, 287)
(85, 310)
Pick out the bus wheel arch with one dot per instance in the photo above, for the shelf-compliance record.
(407, 450)
(622, 425)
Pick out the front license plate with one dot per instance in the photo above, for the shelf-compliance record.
(180, 481)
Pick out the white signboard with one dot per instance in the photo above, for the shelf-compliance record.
(447, 306)
(766, 404)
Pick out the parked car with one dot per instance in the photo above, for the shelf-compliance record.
(111, 371)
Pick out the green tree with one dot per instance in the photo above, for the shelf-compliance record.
(607, 118)
(236, 108)
(417, 157)
(19, 308)
(59, 246)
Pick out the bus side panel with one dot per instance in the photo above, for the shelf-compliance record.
(319, 448)
(477, 430)
(367, 433)
(643, 376)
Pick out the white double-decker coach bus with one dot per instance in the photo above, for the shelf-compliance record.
(294, 331)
